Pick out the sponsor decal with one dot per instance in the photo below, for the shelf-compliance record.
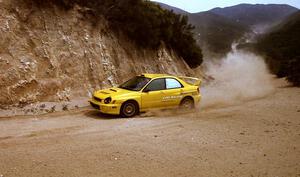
(170, 98)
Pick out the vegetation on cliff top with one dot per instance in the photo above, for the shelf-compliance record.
(144, 22)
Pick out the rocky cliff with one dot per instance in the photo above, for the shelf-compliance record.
(51, 54)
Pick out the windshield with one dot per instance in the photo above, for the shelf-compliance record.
(135, 84)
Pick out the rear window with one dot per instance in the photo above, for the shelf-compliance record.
(172, 83)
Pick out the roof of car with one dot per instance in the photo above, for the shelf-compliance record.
(156, 75)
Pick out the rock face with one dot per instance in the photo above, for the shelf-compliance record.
(50, 54)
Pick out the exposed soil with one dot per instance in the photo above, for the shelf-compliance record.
(256, 138)
(50, 55)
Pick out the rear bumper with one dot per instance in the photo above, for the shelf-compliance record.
(197, 99)
(106, 108)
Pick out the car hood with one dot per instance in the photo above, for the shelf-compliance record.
(112, 92)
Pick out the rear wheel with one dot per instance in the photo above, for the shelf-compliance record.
(187, 103)
(129, 109)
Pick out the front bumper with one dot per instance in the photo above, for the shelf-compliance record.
(106, 108)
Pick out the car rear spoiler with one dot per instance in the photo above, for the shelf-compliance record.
(191, 80)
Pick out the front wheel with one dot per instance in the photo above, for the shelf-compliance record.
(129, 109)
(187, 103)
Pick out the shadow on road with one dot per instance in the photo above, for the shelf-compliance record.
(98, 115)
(95, 114)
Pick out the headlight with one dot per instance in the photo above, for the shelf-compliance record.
(107, 100)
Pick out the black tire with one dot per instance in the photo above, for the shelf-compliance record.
(187, 103)
(129, 109)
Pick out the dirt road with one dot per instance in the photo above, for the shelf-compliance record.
(257, 138)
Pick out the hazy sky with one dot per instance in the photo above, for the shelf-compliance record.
(203, 5)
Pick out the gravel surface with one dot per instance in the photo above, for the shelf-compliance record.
(256, 138)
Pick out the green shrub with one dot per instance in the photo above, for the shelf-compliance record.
(282, 49)
(293, 73)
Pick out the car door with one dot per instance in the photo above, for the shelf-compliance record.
(172, 93)
(152, 95)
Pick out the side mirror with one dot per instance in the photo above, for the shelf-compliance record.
(146, 90)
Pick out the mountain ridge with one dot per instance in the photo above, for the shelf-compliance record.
(256, 14)
(216, 29)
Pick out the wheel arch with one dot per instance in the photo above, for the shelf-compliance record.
(187, 97)
(132, 101)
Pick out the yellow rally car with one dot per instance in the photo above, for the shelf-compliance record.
(148, 91)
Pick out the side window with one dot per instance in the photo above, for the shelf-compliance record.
(157, 84)
(172, 83)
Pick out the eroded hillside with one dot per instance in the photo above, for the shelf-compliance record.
(51, 54)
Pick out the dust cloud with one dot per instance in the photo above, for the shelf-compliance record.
(238, 77)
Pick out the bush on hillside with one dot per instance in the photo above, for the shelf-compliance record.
(282, 49)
